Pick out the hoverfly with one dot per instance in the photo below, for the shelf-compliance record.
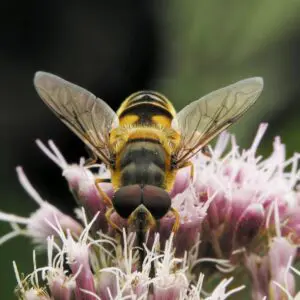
(146, 141)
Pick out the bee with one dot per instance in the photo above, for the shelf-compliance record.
(145, 142)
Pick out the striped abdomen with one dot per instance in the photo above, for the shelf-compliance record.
(143, 162)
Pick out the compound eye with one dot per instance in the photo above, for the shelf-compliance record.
(156, 200)
(127, 199)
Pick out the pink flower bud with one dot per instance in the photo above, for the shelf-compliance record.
(41, 223)
(84, 281)
(286, 280)
(219, 210)
(166, 293)
(61, 287)
(82, 185)
(192, 214)
(186, 236)
(273, 267)
(281, 255)
(106, 284)
(74, 174)
(249, 224)
(78, 259)
(182, 181)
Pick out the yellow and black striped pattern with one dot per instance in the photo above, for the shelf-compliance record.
(146, 107)
(144, 141)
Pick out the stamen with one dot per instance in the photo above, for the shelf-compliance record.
(13, 218)
(49, 153)
(18, 277)
(9, 236)
(259, 135)
(91, 294)
(290, 297)
(28, 187)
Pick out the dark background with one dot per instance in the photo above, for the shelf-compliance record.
(113, 48)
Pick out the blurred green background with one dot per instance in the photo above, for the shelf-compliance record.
(184, 49)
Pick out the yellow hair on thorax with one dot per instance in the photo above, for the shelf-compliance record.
(168, 137)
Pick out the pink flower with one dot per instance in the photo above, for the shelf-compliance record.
(38, 225)
(238, 215)
(271, 270)
(82, 184)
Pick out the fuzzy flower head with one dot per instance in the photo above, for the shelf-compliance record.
(163, 276)
(38, 224)
(239, 214)
(254, 198)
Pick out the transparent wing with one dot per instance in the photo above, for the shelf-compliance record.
(85, 114)
(202, 120)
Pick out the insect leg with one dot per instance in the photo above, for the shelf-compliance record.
(191, 165)
(177, 219)
(110, 222)
(106, 199)
(92, 159)
(205, 151)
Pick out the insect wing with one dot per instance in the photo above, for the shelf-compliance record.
(85, 114)
(203, 119)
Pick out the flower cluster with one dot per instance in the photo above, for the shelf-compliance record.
(239, 227)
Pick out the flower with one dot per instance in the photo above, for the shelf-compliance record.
(239, 223)
(81, 183)
(254, 198)
(38, 225)
(271, 270)
(89, 280)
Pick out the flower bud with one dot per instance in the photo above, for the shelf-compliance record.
(182, 181)
(249, 224)
(106, 284)
(273, 267)
(191, 214)
(42, 222)
(78, 259)
(61, 287)
(219, 210)
(281, 255)
(162, 293)
(82, 185)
